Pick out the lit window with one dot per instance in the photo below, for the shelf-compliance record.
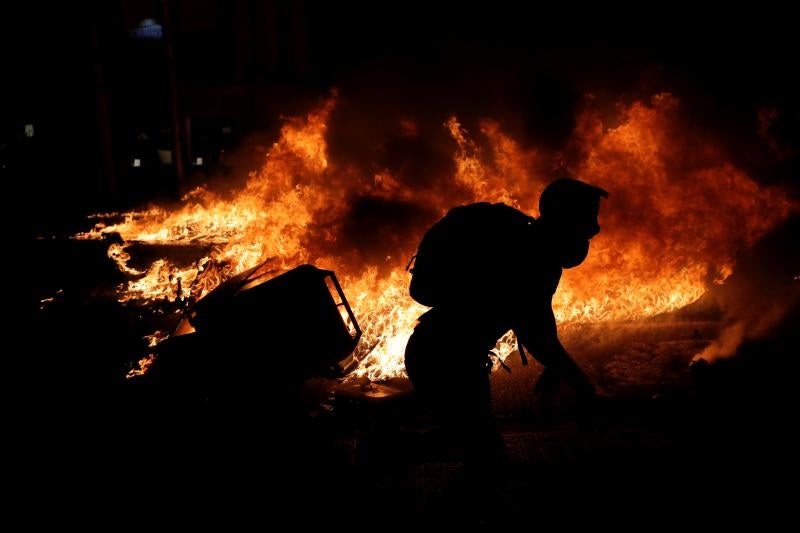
(136, 162)
(28, 130)
(148, 29)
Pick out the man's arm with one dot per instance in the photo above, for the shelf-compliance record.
(538, 333)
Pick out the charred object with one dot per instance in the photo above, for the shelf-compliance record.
(257, 337)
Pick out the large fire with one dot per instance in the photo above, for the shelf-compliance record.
(678, 213)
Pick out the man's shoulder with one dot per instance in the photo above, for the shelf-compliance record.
(511, 212)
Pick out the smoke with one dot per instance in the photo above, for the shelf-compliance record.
(761, 295)
(374, 230)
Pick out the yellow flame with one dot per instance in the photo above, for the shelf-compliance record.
(142, 366)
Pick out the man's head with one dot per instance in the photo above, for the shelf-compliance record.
(569, 210)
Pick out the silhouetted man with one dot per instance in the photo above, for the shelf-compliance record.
(447, 355)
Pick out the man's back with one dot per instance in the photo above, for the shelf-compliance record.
(471, 252)
(506, 268)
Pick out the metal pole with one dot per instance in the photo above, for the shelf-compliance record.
(177, 145)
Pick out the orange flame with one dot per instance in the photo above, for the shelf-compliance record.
(142, 366)
(678, 212)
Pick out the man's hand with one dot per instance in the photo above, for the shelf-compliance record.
(548, 383)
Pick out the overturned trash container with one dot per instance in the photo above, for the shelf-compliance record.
(258, 337)
(298, 324)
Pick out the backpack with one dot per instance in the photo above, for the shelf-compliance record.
(460, 255)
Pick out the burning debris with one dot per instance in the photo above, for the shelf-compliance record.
(680, 213)
(255, 326)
